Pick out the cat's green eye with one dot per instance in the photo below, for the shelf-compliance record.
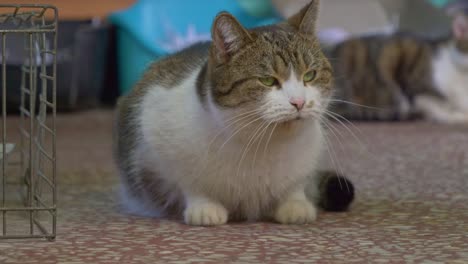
(310, 76)
(268, 81)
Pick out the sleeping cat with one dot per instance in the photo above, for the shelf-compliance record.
(231, 130)
(402, 76)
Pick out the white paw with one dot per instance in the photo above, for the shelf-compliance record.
(205, 214)
(458, 118)
(296, 212)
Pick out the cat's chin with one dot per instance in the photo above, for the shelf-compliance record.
(295, 118)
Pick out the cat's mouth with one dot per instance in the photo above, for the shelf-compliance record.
(293, 116)
(299, 116)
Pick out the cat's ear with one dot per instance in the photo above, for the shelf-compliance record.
(229, 36)
(460, 26)
(305, 21)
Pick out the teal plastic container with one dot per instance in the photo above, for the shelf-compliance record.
(440, 3)
(258, 8)
(142, 27)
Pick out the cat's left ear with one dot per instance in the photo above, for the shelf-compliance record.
(305, 21)
(229, 36)
(460, 26)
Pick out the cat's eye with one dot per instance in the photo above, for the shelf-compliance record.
(310, 76)
(268, 81)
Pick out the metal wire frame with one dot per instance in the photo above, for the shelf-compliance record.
(34, 129)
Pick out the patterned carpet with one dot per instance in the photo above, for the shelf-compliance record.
(411, 206)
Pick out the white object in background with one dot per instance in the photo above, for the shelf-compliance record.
(8, 149)
(333, 36)
(176, 42)
(352, 16)
(287, 8)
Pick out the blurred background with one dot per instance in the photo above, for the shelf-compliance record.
(104, 46)
(411, 177)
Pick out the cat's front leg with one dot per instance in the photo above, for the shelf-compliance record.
(202, 211)
(296, 209)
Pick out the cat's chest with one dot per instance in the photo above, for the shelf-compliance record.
(272, 163)
(451, 81)
(270, 155)
(252, 177)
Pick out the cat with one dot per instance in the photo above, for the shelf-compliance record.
(231, 129)
(402, 76)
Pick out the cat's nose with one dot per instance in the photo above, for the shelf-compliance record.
(297, 102)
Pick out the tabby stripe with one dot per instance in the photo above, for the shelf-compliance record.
(201, 86)
(232, 88)
(276, 65)
(416, 60)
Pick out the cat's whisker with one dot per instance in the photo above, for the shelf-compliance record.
(335, 116)
(340, 168)
(363, 145)
(205, 162)
(234, 121)
(338, 136)
(243, 119)
(269, 139)
(331, 126)
(237, 131)
(251, 142)
(339, 139)
(332, 159)
(257, 110)
(264, 131)
(356, 104)
(345, 120)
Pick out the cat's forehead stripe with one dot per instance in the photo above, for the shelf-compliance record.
(284, 63)
(293, 85)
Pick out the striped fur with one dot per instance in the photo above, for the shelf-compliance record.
(394, 76)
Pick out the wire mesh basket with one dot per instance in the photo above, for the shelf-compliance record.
(28, 193)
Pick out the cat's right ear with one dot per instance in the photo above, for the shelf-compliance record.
(460, 26)
(229, 36)
(306, 19)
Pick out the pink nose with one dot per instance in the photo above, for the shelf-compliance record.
(298, 103)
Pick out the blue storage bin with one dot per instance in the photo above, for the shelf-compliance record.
(141, 28)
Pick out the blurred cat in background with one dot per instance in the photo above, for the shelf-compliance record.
(401, 75)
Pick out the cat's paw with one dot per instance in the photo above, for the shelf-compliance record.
(205, 214)
(296, 212)
(457, 118)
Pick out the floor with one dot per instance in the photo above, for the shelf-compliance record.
(411, 206)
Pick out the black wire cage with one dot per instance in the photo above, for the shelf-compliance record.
(28, 192)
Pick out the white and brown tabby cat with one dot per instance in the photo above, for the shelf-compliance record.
(402, 76)
(231, 130)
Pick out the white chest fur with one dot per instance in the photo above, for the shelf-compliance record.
(450, 73)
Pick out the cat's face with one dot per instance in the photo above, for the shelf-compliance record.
(278, 71)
